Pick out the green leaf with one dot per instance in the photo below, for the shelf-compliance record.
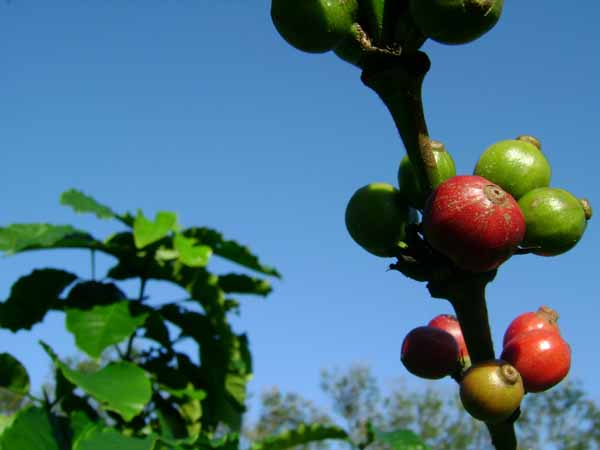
(87, 294)
(235, 386)
(157, 330)
(29, 236)
(80, 424)
(30, 430)
(5, 422)
(185, 393)
(145, 231)
(13, 376)
(82, 203)
(243, 284)
(102, 326)
(230, 250)
(121, 387)
(32, 296)
(133, 263)
(192, 324)
(99, 439)
(399, 439)
(190, 253)
(303, 434)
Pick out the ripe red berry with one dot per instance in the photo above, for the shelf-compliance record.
(542, 357)
(449, 324)
(543, 319)
(429, 352)
(473, 222)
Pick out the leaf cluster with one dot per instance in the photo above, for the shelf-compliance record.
(151, 395)
(138, 390)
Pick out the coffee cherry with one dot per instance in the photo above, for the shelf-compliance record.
(407, 178)
(491, 390)
(314, 26)
(455, 21)
(429, 352)
(543, 319)
(473, 222)
(450, 324)
(542, 357)
(556, 220)
(376, 218)
(349, 49)
(516, 165)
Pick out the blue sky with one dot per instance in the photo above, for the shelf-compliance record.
(201, 108)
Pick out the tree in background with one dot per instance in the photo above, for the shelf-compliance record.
(564, 419)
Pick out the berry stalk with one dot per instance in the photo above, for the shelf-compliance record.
(467, 297)
(398, 81)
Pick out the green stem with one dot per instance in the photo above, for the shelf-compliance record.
(471, 311)
(129, 349)
(468, 300)
(398, 81)
(93, 261)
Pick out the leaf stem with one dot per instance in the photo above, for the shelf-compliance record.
(93, 263)
(398, 81)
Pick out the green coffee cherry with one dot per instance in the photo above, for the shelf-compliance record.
(555, 220)
(376, 218)
(407, 178)
(314, 26)
(455, 21)
(516, 165)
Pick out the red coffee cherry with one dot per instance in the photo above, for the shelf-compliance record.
(473, 222)
(543, 319)
(542, 357)
(449, 323)
(429, 352)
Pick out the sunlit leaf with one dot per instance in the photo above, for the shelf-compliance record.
(190, 253)
(16, 238)
(82, 203)
(31, 429)
(399, 439)
(230, 250)
(102, 326)
(303, 434)
(109, 438)
(235, 386)
(146, 231)
(121, 387)
(187, 392)
(5, 422)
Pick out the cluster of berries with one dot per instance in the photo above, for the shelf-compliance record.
(478, 221)
(350, 28)
(534, 359)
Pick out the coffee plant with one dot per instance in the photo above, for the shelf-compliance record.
(451, 231)
(145, 393)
